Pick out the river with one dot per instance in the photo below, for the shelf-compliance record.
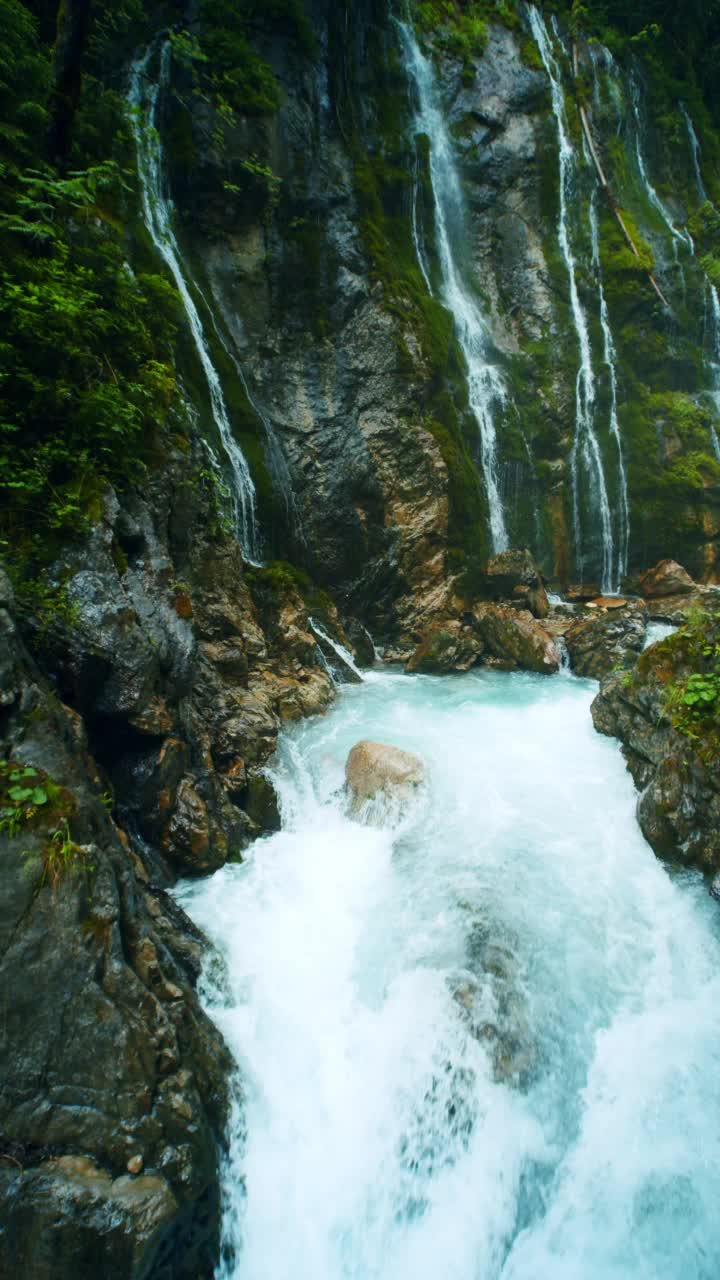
(484, 1043)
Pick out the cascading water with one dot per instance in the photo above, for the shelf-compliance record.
(415, 225)
(480, 1044)
(487, 391)
(338, 649)
(610, 359)
(713, 320)
(157, 209)
(586, 447)
(695, 151)
(679, 236)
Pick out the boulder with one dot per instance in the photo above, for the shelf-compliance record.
(451, 646)
(376, 772)
(606, 641)
(667, 578)
(516, 635)
(514, 575)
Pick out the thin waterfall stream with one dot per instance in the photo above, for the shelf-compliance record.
(486, 388)
(480, 1043)
(586, 446)
(143, 98)
(611, 361)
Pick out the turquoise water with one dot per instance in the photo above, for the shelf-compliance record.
(380, 1135)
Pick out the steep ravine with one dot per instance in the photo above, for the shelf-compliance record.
(309, 309)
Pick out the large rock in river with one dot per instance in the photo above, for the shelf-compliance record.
(376, 773)
(514, 575)
(515, 635)
(606, 641)
(667, 578)
(449, 646)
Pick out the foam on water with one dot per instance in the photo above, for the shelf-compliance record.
(374, 1141)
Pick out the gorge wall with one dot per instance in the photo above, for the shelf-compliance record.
(309, 309)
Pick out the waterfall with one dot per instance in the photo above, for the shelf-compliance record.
(344, 655)
(714, 361)
(157, 209)
(486, 388)
(417, 242)
(679, 237)
(695, 150)
(610, 359)
(586, 448)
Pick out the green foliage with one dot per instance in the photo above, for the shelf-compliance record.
(689, 665)
(22, 794)
(457, 28)
(63, 857)
(32, 802)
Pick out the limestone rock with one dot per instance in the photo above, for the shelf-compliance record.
(375, 771)
(515, 635)
(450, 646)
(667, 578)
(514, 575)
(606, 641)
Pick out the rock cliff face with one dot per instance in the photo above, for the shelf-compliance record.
(160, 694)
(670, 741)
(349, 352)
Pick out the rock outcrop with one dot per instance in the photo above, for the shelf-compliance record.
(667, 578)
(604, 642)
(114, 1082)
(450, 646)
(516, 636)
(672, 747)
(514, 576)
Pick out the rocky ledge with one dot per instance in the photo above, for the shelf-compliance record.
(666, 713)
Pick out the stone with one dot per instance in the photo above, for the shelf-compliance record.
(605, 641)
(581, 592)
(515, 635)
(514, 575)
(667, 578)
(375, 770)
(609, 602)
(135, 1165)
(450, 646)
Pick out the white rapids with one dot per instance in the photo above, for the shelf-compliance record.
(374, 1141)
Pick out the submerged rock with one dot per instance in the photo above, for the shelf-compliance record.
(606, 641)
(666, 578)
(376, 772)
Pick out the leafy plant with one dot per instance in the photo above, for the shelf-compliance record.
(63, 857)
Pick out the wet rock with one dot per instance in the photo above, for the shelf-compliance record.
(581, 592)
(450, 646)
(667, 578)
(514, 575)
(261, 802)
(362, 642)
(679, 804)
(375, 772)
(102, 968)
(516, 636)
(715, 887)
(606, 641)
